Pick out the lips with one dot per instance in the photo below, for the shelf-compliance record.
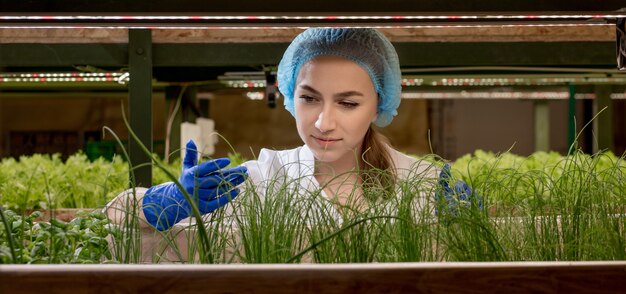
(325, 142)
(325, 139)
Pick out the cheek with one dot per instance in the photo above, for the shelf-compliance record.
(306, 114)
(303, 119)
(368, 116)
(361, 123)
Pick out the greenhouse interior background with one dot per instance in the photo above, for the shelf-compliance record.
(525, 99)
(496, 89)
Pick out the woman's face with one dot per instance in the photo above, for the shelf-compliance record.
(335, 103)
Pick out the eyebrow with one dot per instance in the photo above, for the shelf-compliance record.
(339, 95)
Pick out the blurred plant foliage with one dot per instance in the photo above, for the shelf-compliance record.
(81, 240)
(46, 182)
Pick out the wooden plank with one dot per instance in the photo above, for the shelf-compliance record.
(63, 54)
(504, 277)
(254, 54)
(598, 33)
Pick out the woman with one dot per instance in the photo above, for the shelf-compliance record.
(336, 82)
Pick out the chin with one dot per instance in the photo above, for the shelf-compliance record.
(323, 155)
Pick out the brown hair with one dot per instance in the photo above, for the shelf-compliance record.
(377, 170)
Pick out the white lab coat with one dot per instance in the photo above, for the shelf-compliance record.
(294, 166)
(297, 166)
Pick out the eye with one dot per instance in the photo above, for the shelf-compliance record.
(307, 99)
(349, 104)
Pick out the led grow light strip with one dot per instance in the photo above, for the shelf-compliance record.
(123, 77)
(308, 17)
(270, 27)
(245, 83)
(64, 77)
(62, 74)
(299, 21)
(455, 82)
(256, 95)
(53, 80)
(503, 95)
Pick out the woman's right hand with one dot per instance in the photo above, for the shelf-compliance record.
(208, 184)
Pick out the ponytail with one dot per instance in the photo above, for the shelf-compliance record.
(377, 170)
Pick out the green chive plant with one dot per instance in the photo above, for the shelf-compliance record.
(540, 208)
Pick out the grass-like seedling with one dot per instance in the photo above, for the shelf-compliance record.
(544, 207)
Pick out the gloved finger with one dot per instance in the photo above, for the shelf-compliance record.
(210, 166)
(191, 155)
(444, 178)
(225, 173)
(463, 190)
(445, 172)
(213, 181)
(211, 205)
(210, 194)
(232, 170)
(444, 189)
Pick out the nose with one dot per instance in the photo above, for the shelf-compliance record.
(325, 121)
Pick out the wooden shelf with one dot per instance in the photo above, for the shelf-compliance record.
(489, 277)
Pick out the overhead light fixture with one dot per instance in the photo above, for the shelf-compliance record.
(303, 21)
(500, 95)
(64, 77)
(255, 95)
(512, 79)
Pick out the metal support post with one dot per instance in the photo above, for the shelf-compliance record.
(603, 126)
(571, 119)
(542, 125)
(140, 103)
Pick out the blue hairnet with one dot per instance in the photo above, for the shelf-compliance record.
(367, 47)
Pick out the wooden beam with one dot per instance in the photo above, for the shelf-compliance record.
(449, 277)
(254, 54)
(63, 54)
(598, 33)
(513, 54)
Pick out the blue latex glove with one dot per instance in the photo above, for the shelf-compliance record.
(462, 194)
(207, 183)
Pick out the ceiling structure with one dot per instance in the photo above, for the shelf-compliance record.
(320, 6)
(194, 41)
